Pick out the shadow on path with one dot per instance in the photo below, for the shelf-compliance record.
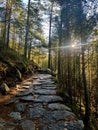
(37, 107)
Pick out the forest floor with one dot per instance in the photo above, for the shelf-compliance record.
(35, 105)
(6, 98)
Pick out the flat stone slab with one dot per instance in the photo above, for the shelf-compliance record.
(42, 80)
(74, 125)
(30, 98)
(58, 106)
(27, 98)
(37, 101)
(54, 116)
(37, 84)
(20, 107)
(39, 108)
(49, 82)
(63, 125)
(35, 112)
(61, 115)
(36, 87)
(47, 118)
(38, 105)
(45, 92)
(27, 125)
(44, 76)
(49, 88)
(49, 85)
(54, 126)
(25, 93)
(51, 98)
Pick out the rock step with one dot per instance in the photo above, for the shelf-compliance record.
(39, 108)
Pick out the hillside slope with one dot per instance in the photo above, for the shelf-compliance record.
(13, 67)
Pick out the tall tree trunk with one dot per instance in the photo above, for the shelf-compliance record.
(19, 45)
(86, 93)
(60, 42)
(29, 51)
(49, 45)
(9, 22)
(13, 38)
(79, 84)
(69, 77)
(5, 24)
(27, 30)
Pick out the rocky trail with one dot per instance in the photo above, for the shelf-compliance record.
(36, 106)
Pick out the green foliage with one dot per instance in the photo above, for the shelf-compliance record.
(55, 79)
(13, 67)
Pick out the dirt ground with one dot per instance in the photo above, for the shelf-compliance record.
(6, 109)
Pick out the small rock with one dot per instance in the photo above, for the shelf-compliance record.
(28, 125)
(4, 89)
(15, 115)
(20, 107)
(2, 122)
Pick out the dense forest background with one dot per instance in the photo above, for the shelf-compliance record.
(61, 35)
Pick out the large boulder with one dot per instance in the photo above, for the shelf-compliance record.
(4, 89)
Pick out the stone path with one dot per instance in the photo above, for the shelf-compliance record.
(37, 107)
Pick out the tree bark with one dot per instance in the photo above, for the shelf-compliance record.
(29, 51)
(9, 22)
(60, 41)
(86, 93)
(27, 30)
(49, 45)
(5, 24)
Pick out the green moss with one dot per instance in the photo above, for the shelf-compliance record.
(13, 66)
